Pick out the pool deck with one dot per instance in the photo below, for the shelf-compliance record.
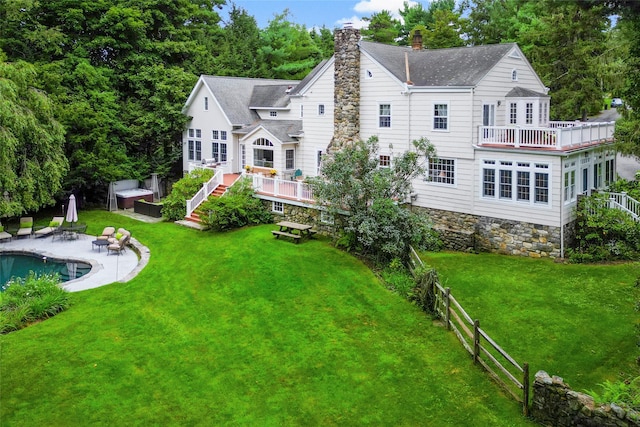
(106, 268)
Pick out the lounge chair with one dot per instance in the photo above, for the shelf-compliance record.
(106, 233)
(120, 244)
(26, 226)
(55, 223)
(3, 234)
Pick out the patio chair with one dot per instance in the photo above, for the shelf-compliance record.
(26, 226)
(119, 245)
(106, 233)
(55, 223)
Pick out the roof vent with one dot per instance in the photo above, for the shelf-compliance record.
(416, 44)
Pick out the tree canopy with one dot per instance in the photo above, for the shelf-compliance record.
(32, 161)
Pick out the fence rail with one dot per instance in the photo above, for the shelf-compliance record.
(483, 349)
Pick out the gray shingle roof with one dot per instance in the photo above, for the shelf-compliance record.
(461, 66)
(274, 96)
(309, 77)
(281, 129)
(234, 95)
(520, 92)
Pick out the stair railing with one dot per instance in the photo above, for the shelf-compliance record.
(204, 192)
(625, 203)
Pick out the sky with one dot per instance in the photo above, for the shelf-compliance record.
(316, 13)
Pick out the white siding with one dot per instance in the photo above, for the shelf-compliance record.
(318, 130)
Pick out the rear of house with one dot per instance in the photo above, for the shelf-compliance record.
(505, 179)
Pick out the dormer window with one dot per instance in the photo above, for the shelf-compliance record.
(514, 75)
(273, 114)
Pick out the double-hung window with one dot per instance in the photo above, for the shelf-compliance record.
(194, 144)
(570, 181)
(289, 159)
(441, 117)
(528, 114)
(384, 116)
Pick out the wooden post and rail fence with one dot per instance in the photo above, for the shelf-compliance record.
(484, 351)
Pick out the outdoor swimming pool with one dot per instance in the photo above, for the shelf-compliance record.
(19, 264)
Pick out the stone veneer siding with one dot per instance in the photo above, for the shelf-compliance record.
(555, 403)
(464, 232)
(346, 95)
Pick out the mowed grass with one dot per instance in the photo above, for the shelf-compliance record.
(576, 321)
(242, 329)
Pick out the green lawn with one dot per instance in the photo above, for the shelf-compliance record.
(572, 320)
(242, 329)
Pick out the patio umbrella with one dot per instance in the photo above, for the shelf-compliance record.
(72, 213)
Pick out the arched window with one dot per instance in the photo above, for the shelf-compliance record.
(263, 153)
(514, 75)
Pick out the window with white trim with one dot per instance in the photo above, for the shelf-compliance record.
(215, 134)
(219, 151)
(528, 113)
(277, 207)
(198, 133)
(441, 117)
(223, 135)
(198, 150)
(318, 161)
(515, 181)
(513, 113)
(384, 116)
(192, 133)
(321, 109)
(301, 111)
(273, 114)
(368, 74)
(289, 159)
(263, 157)
(442, 171)
(384, 161)
(569, 181)
(206, 103)
(191, 149)
(514, 75)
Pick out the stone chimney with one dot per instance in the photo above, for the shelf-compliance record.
(416, 44)
(346, 92)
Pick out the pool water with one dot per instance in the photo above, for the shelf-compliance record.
(20, 264)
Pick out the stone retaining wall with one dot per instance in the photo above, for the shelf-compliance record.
(554, 403)
(461, 231)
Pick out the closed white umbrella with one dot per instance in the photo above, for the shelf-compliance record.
(72, 213)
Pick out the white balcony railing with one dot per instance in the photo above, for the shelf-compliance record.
(296, 190)
(558, 136)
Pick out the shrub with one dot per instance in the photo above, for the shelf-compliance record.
(622, 393)
(398, 278)
(604, 234)
(30, 299)
(175, 204)
(235, 209)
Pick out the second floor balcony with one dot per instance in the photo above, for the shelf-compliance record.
(561, 136)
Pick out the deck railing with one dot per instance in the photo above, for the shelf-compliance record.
(558, 136)
(277, 187)
(203, 193)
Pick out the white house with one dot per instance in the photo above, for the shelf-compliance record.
(506, 177)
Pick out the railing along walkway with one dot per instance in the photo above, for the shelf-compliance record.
(484, 350)
(204, 192)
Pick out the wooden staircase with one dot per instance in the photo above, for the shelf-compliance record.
(196, 216)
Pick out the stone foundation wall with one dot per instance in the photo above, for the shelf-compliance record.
(461, 231)
(554, 403)
(301, 215)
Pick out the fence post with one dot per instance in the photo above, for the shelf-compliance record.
(447, 291)
(525, 389)
(476, 340)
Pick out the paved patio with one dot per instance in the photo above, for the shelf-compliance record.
(106, 268)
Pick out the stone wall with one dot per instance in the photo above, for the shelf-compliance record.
(346, 96)
(462, 232)
(301, 215)
(554, 403)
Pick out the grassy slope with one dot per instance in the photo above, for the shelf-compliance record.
(574, 321)
(243, 329)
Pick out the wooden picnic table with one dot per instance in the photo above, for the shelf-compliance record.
(293, 230)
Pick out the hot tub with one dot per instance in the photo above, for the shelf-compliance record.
(127, 197)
